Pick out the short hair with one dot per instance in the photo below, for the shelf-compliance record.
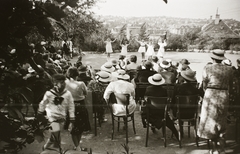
(58, 77)
(133, 58)
(72, 72)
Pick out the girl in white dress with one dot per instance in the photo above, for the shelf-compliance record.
(124, 48)
(109, 47)
(162, 43)
(150, 49)
(142, 48)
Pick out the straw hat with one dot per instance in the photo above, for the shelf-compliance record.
(121, 74)
(189, 75)
(103, 76)
(227, 62)
(30, 70)
(108, 67)
(156, 79)
(165, 64)
(218, 54)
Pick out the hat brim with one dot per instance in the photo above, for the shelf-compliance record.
(124, 77)
(150, 80)
(107, 69)
(217, 57)
(188, 78)
(165, 66)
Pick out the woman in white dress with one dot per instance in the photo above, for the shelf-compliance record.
(150, 49)
(142, 48)
(109, 47)
(162, 43)
(124, 46)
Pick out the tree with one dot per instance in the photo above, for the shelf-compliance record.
(143, 35)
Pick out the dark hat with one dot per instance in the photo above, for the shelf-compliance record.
(121, 56)
(189, 75)
(154, 58)
(148, 64)
(82, 69)
(59, 77)
(114, 62)
(217, 54)
(184, 61)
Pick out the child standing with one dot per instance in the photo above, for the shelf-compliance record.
(109, 47)
(124, 46)
(150, 49)
(57, 102)
(142, 49)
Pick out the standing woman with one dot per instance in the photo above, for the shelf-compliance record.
(78, 90)
(142, 48)
(150, 49)
(217, 80)
(109, 47)
(161, 51)
(124, 48)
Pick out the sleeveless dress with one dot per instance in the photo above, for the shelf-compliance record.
(109, 47)
(142, 48)
(161, 50)
(150, 50)
(124, 49)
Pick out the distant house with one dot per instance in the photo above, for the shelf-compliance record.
(218, 29)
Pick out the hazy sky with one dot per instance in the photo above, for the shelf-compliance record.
(228, 9)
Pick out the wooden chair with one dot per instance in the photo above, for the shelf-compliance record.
(187, 111)
(170, 90)
(123, 98)
(98, 105)
(140, 91)
(160, 104)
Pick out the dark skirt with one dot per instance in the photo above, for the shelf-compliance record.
(81, 123)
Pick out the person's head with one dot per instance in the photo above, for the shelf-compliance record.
(121, 57)
(121, 75)
(103, 77)
(155, 59)
(189, 75)
(156, 79)
(238, 62)
(175, 64)
(59, 82)
(133, 58)
(108, 39)
(184, 62)
(148, 65)
(72, 72)
(114, 62)
(82, 69)
(217, 56)
(165, 64)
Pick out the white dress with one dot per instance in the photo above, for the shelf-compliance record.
(124, 49)
(108, 47)
(161, 50)
(142, 48)
(150, 50)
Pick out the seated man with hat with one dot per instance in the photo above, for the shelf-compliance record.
(121, 86)
(167, 74)
(156, 90)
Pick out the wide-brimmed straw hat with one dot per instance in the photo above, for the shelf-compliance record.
(189, 75)
(121, 74)
(156, 79)
(108, 67)
(165, 64)
(218, 54)
(103, 76)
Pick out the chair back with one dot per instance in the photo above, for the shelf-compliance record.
(170, 90)
(140, 90)
(132, 73)
(120, 99)
(97, 99)
(187, 106)
(157, 102)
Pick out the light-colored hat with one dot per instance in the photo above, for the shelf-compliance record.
(103, 76)
(121, 74)
(218, 54)
(169, 60)
(43, 43)
(30, 70)
(108, 67)
(189, 75)
(156, 79)
(165, 64)
(227, 62)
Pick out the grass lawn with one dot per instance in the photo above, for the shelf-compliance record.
(197, 60)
